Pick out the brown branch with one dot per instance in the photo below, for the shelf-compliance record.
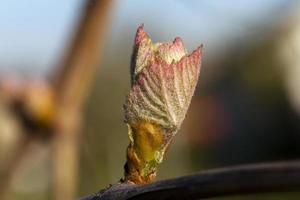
(18, 156)
(73, 77)
(72, 83)
(246, 179)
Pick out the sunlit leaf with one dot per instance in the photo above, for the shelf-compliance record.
(164, 77)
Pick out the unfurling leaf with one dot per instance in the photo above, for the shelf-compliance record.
(163, 80)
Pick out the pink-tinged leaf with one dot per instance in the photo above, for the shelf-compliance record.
(164, 77)
(142, 53)
(171, 50)
(163, 83)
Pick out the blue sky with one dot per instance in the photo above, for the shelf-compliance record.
(35, 32)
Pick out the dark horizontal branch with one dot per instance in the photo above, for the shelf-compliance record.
(245, 179)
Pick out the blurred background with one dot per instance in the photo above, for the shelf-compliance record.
(246, 108)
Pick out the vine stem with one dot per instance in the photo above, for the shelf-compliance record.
(244, 179)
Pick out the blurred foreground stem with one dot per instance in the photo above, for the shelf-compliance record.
(72, 83)
(21, 152)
